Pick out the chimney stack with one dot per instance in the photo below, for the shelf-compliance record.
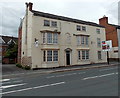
(30, 6)
(103, 20)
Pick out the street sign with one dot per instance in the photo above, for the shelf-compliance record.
(107, 45)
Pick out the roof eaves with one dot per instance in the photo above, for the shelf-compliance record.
(37, 13)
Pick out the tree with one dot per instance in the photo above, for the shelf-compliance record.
(12, 50)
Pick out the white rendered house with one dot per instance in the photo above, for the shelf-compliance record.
(52, 41)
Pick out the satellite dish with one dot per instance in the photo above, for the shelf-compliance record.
(36, 44)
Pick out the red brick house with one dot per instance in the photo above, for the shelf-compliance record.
(111, 34)
(4, 42)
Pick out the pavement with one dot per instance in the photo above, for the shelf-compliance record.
(10, 70)
(97, 81)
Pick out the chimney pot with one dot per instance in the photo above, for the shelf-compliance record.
(30, 6)
(103, 20)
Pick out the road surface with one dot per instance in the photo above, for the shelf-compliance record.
(90, 82)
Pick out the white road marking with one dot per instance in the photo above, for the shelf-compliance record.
(4, 80)
(116, 73)
(12, 82)
(107, 69)
(81, 72)
(54, 84)
(65, 75)
(98, 76)
(4, 87)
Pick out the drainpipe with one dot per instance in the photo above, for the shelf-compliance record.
(26, 22)
(119, 32)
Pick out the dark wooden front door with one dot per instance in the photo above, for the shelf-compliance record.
(68, 57)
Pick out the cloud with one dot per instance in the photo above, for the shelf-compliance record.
(88, 10)
(10, 19)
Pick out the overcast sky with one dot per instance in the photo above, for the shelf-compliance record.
(88, 10)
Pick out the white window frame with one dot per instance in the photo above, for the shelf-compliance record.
(55, 55)
(49, 57)
(98, 42)
(82, 40)
(98, 31)
(46, 22)
(54, 23)
(78, 27)
(55, 38)
(83, 55)
(52, 56)
(49, 38)
(99, 55)
(83, 28)
(52, 39)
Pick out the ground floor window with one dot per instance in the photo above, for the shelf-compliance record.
(50, 55)
(83, 54)
(99, 55)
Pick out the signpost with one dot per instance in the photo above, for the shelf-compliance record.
(107, 46)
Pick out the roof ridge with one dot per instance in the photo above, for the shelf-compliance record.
(64, 18)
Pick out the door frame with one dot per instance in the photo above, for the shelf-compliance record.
(70, 51)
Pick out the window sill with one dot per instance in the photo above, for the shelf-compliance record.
(50, 26)
(83, 60)
(83, 45)
(50, 44)
(49, 62)
(100, 59)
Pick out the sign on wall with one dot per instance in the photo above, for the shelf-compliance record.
(107, 45)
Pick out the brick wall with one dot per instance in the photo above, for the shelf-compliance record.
(19, 44)
(111, 31)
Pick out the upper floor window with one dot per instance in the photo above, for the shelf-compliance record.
(55, 38)
(83, 28)
(78, 28)
(83, 40)
(53, 23)
(50, 38)
(98, 31)
(98, 42)
(46, 23)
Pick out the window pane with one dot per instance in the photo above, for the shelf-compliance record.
(78, 40)
(49, 55)
(54, 24)
(82, 40)
(83, 28)
(78, 28)
(79, 56)
(98, 31)
(99, 55)
(87, 54)
(55, 38)
(49, 37)
(83, 54)
(86, 40)
(46, 23)
(98, 42)
(43, 37)
(44, 55)
(55, 55)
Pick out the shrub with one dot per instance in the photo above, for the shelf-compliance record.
(19, 65)
(27, 67)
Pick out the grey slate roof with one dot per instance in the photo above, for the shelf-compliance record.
(47, 15)
(8, 38)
